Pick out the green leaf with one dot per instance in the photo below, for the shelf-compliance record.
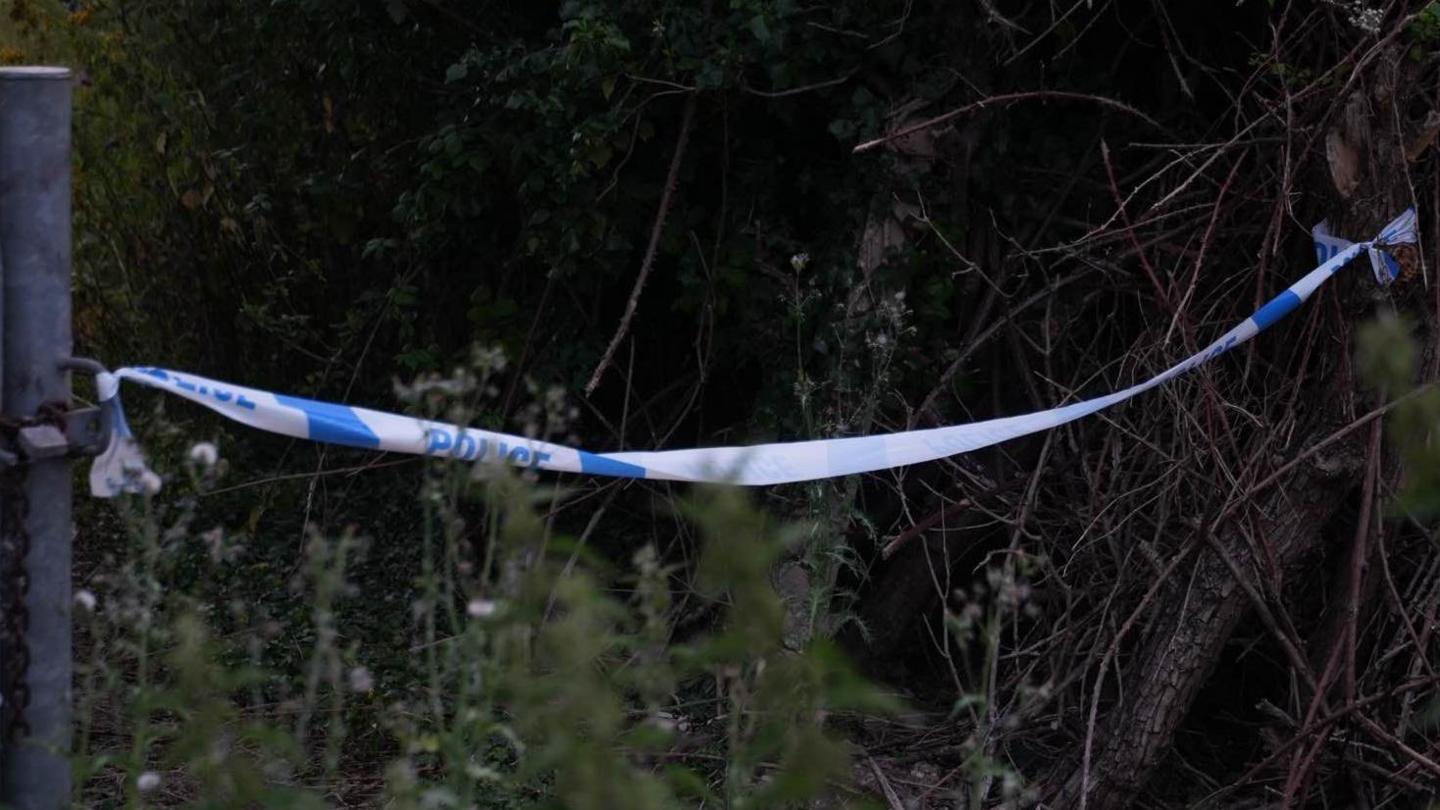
(760, 29)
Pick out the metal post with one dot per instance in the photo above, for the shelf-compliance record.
(35, 262)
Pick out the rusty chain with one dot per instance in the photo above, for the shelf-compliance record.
(15, 697)
(15, 542)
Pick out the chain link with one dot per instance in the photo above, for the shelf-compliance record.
(15, 544)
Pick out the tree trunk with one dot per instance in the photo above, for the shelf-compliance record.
(1194, 624)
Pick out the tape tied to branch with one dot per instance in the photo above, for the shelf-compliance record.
(121, 468)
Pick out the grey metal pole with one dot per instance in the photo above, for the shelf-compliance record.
(35, 262)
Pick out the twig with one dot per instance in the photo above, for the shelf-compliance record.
(980, 339)
(892, 799)
(943, 514)
(795, 91)
(519, 373)
(1358, 557)
(671, 179)
(1006, 98)
(1161, 295)
(375, 464)
(1312, 450)
(1399, 744)
(1314, 727)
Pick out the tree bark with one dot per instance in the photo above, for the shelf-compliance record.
(1195, 623)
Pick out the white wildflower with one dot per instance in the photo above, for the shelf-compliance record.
(147, 781)
(1367, 19)
(214, 540)
(1361, 14)
(482, 773)
(668, 723)
(800, 261)
(86, 600)
(361, 680)
(204, 454)
(480, 608)
(150, 483)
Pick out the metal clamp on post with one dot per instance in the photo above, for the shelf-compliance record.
(87, 430)
(58, 431)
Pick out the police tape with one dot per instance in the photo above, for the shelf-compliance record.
(121, 468)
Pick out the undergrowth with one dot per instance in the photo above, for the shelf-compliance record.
(539, 674)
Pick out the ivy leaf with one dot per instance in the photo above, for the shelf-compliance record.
(759, 28)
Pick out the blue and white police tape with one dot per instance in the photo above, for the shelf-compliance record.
(121, 468)
(1400, 231)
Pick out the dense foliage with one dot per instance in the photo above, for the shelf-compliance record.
(643, 223)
